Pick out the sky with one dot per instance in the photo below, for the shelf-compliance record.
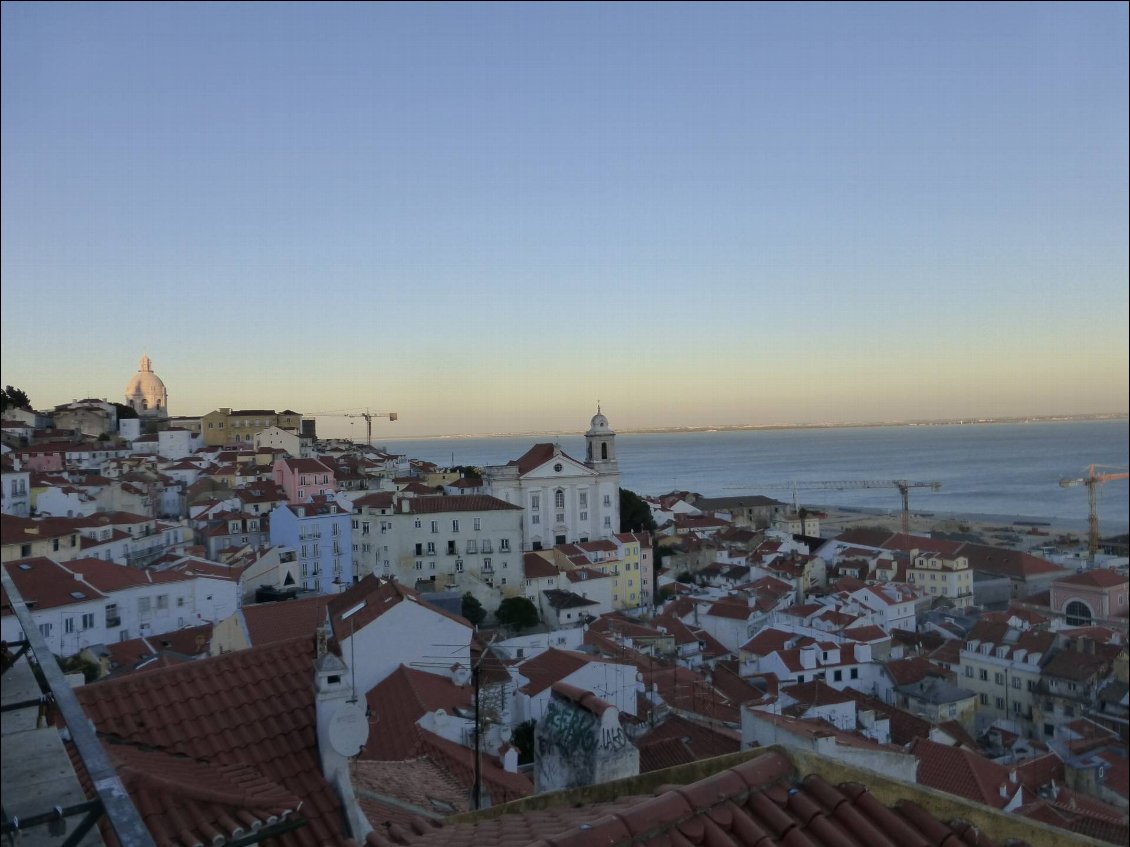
(489, 218)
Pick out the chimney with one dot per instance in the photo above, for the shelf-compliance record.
(808, 657)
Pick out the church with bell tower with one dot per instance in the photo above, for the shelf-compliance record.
(565, 500)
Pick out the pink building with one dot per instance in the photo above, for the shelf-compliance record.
(1090, 595)
(302, 479)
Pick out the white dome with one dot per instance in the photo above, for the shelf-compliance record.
(599, 424)
(145, 392)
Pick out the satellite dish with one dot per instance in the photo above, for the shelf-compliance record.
(349, 730)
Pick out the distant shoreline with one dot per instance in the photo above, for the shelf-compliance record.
(675, 430)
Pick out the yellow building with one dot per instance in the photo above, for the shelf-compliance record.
(937, 576)
(239, 426)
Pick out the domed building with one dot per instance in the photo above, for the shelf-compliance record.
(146, 394)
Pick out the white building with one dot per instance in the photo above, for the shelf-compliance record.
(564, 500)
(469, 543)
(382, 625)
(87, 602)
(146, 393)
(15, 488)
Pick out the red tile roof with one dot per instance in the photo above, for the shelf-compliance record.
(269, 623)
(375, 596)
(758, 803)
(1098, 578)
(458, 503)
(678, 740)
(551, 666)
(251, 709)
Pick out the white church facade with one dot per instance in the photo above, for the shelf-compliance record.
(564, 500)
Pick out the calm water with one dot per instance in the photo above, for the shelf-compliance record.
(1005, 469)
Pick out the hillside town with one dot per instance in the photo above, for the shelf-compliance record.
(271, 636)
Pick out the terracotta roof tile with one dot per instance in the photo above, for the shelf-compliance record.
(758, 802)
(252, 709)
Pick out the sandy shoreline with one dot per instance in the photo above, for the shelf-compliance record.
(1016, 531)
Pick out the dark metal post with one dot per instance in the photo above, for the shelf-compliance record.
(478, 789)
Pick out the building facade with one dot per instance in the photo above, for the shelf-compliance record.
(564, 500)
(319, 533)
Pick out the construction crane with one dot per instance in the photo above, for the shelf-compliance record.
(366, 414)
(1094, 480)
(902, 485)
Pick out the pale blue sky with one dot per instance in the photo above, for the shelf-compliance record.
(486, 217)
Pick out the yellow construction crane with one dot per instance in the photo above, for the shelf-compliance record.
(366, 414)
(902, 485)
(1094, 480)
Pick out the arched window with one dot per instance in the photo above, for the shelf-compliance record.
(604, 449)
(1078, 613)
(559, 499)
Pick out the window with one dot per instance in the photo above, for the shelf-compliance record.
(419, 549)
(88, 621)
(419, 565)
(337, 529)
(486, 564)
(478, 524)
(607, 521)
(68, 625)
(45, 630)
(451, 548)
(143, 605)
(998, 678)
(417, 523)
(431, 548)
(984, 675)
(459, 566)
(162, 601)
(584, 516)
(365, 528)
(435, 526)
(1000, 703)
(1016, 682)
(984, 699)
(535, 502)
(112, 618)
(583, 500)
(535, 519)
(559, 499)
(838, 676)
(504, 545)
(607, 500)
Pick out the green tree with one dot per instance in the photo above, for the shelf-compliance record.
(517, 613)
(125, 412)
(473, 610)
(523, 739)
(14, 398)
(635, 516)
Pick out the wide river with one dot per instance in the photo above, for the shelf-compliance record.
(987, 469)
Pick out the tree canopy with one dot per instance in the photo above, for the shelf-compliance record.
(14, 398)
(517, 613)
(473, 610)
(635, 516)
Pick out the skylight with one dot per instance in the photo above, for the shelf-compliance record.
(350, 612)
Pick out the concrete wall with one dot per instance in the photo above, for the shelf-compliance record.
(573, 747)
